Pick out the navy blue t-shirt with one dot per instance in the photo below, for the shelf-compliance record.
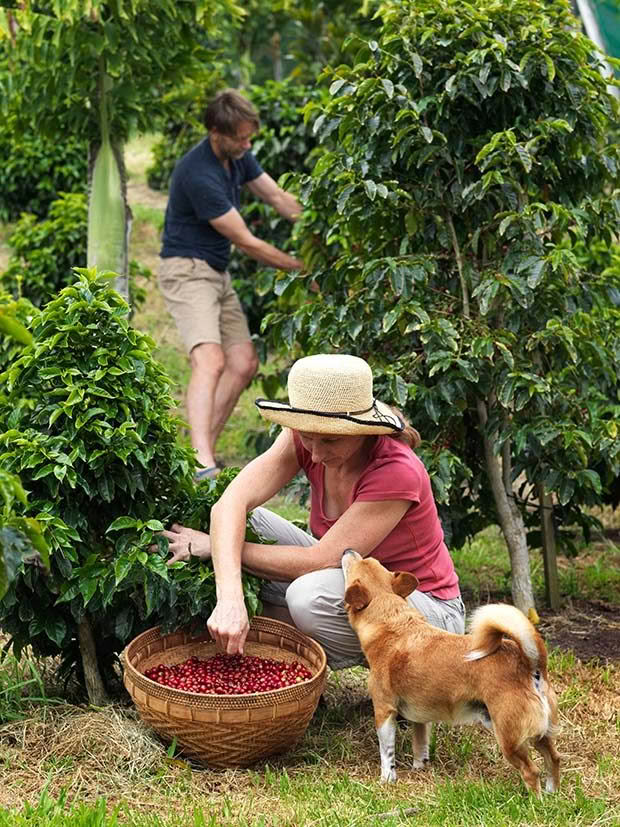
(202, 189)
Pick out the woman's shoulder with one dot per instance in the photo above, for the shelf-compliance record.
(389, 449)
(391, 456)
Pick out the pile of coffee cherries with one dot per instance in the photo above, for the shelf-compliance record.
(229, 674)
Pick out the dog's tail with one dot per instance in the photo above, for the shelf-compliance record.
(489, 624)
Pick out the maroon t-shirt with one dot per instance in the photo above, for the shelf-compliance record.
(416, 543)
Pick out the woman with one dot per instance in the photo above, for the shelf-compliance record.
(370, 492)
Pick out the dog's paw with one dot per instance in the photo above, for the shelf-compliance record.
(550, 786)
(388, 776)
(420, 763)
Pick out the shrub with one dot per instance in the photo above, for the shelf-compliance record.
(46, 251)
(34, 170)
(87, 426)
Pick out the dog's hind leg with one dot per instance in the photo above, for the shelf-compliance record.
(385, 721)
(546, 748)
(420, 738)
(518, 756)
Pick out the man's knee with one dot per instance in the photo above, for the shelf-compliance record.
(207, 358)
(243, 362)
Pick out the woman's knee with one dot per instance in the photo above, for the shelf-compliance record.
(302, 602)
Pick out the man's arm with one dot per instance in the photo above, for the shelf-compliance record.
(232, 225)
(265, 188)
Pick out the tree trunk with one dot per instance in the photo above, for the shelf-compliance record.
(92, 677)
(276, 56)
(511, 523)
(552, 588)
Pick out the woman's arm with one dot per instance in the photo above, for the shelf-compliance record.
(362, 526)
(254, 485)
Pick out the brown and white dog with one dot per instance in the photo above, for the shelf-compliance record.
(496, 675)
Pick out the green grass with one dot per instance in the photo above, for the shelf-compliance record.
(144, 214)
(483, 565)
(21, 686)
(333, 800)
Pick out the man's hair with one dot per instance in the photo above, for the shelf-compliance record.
(227, 110)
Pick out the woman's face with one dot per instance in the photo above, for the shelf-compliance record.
(332, 451)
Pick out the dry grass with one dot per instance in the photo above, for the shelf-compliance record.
(108, 752)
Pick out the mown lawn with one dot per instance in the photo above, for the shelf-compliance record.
(63, 763)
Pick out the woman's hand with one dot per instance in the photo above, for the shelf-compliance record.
(184, 543)
(229, 625)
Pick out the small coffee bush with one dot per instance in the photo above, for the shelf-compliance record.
(85, 422)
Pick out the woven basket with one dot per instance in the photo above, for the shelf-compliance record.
(226, 730)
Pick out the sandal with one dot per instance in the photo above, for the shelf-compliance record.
(207, 473)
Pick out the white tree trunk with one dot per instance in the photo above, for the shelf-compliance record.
(511, 523)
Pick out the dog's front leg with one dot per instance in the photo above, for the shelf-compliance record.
(420, 740)
(385, 720)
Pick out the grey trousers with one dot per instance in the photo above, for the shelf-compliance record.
(316, 600)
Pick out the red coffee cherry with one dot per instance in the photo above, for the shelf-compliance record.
(229, 674)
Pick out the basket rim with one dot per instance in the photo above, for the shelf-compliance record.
(132, 671)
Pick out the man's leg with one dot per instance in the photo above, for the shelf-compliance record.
(216, 382)
(240, 359)
(241, 364)
(207, 368)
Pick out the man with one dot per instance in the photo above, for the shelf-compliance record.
(202, 220)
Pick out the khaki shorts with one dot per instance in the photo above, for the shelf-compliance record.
(202, 302)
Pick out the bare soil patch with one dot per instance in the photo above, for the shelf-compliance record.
(589, 628)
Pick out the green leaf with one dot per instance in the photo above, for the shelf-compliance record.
(154, 525)
(388, 86)
(371, 188)
(417, 64)
(11, 327)
(87, 589)
(122, 567)
(56, 629)
(122, 522)
(344, 197)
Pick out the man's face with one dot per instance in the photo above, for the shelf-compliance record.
(234, 147)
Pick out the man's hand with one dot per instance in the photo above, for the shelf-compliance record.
(229, 626)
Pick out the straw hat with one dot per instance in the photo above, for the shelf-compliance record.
(331, 394)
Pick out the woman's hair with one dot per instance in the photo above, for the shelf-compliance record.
(409, 435)
(227, 111)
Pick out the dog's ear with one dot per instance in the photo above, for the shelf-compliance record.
(357, 596)
(403, 583)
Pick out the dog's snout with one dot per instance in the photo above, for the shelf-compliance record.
(350, 552)
(349, 556)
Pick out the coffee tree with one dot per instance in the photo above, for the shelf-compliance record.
(473, 159)
(20, 537)
(45, 251)
(85, 422)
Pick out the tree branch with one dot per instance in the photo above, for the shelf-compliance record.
(459, 264)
